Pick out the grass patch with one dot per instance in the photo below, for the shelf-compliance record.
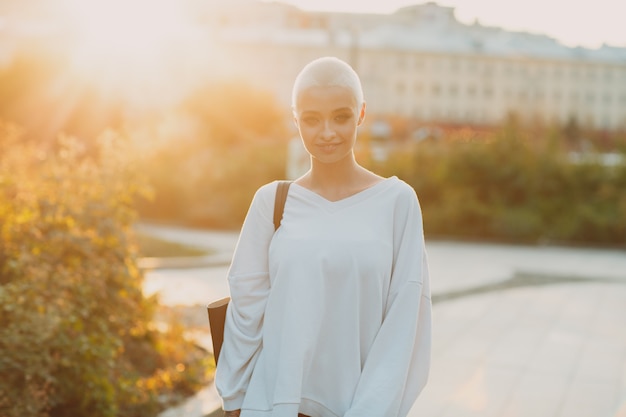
(153, 247)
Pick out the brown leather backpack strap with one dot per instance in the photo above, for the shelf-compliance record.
(279, 203)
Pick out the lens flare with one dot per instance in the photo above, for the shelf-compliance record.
(130, 45)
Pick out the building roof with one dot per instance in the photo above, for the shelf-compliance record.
(424, 27)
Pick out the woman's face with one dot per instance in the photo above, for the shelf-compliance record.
(327, 119)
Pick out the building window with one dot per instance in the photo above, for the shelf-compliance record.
(487, 70)
(400, 87)
(436, 89)
(471, 91)
(418, 88)
(453, 90)
(591, 74)
(488, 92)
(523, 95)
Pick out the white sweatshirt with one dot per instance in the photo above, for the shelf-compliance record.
(331, 315)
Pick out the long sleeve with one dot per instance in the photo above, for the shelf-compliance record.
(397, 365)
(248, 278)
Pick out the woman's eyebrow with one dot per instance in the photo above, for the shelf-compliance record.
(343, 109)
(308, 112)
(315, 112)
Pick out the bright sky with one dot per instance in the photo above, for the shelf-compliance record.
(147, 50)
(573, 22)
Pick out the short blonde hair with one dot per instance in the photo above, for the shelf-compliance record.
(325, 72)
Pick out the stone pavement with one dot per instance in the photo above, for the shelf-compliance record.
(519, 331)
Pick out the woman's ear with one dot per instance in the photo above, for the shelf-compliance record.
(361, 114)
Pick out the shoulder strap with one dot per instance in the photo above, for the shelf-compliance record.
(279, 202)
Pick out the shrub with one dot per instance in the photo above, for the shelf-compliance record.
(77, 336)
(514, 186)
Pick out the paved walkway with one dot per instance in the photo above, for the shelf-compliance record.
(504, 344)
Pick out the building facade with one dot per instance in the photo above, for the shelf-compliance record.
(422, 63)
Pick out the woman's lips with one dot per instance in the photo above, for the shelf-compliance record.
(328, 147)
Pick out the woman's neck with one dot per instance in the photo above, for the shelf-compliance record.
(337, 181)
(333, 175)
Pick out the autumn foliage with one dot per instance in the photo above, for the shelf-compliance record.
(236, 142)
(77, 336)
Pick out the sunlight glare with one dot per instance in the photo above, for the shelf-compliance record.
(126, 44)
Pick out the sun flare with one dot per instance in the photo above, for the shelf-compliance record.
(129, 45)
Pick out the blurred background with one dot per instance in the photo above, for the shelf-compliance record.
(508, 119)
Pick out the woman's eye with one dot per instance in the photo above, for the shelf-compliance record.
(342, 118)
(310, 121)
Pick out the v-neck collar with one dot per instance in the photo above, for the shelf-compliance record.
(346, 201)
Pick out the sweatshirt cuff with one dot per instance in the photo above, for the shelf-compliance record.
(232, 403)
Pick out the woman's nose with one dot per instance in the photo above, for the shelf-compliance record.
(328, 132)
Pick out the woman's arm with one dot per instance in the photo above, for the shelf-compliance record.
(397, 365)
(248, 279)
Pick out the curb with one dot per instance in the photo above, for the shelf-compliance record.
(184, 262)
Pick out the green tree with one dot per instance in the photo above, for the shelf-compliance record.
(515, 184)
(238, 143)
(77, 335)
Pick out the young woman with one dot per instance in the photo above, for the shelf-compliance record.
(331, 314)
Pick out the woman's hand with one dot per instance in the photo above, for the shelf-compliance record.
(232, 413)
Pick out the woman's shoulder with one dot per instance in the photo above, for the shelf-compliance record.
(263, 199)
(401, 194)
(400, 187)
(266, 193)
(267, 188)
